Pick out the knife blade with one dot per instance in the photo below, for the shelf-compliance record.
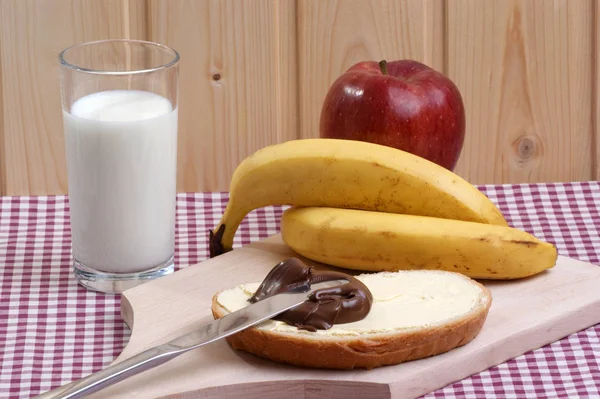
(223, 327)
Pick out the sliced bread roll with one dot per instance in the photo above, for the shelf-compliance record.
(415, 314)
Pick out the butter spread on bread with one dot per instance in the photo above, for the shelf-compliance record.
(414, 314)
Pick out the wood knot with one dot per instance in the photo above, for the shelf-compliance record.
(527, 148)
(216, 77)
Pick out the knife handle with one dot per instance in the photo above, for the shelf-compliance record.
(111, 375)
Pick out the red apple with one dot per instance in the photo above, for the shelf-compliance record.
(402, 104)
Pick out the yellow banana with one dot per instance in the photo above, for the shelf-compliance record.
(376, 241)
(347, 174)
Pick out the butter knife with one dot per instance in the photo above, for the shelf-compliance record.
(225, 326)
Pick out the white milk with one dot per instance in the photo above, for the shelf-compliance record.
(122, 157)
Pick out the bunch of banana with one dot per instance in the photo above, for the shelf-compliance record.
(374, 192)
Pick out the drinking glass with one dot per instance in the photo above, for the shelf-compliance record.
(120, 108)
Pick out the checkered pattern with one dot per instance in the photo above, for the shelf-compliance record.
(52, 331)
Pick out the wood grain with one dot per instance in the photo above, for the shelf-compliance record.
(334, 35)
(3, 160)
(286, 97)
(255, 73)
(525, 314)
(237, 83)
(525, 71)
(30, 41)
(596, 89)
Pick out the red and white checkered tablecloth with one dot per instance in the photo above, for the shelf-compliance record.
(53, 331)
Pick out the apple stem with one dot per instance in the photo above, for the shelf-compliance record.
(383, 66)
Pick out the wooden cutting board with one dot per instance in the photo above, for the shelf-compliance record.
(525, 315)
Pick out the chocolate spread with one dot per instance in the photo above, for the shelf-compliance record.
(325, 307)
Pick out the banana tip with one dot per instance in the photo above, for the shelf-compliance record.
(215, 242)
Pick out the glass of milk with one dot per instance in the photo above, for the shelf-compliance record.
(119, 102)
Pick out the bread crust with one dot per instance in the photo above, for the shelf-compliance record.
(367, 351)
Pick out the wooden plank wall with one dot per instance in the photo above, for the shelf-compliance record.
(525, 69)
(254, 72)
